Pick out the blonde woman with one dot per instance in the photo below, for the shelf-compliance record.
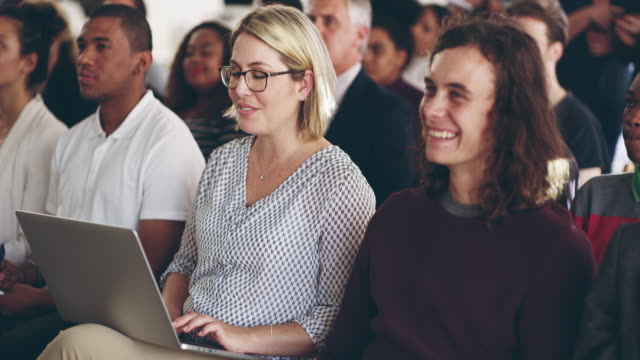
(279, 215)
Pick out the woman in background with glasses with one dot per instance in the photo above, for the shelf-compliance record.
(279, 215)
(195, 91)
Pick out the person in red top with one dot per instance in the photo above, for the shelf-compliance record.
(479, 262)
(606, 202)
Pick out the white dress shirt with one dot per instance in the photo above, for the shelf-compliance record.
(344, 80)
(148, 168)
(25, 160)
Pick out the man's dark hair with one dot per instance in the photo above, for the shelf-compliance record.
(550, 13)
(38, 26)
(522, 129)
(441, 13)
(133, 23)
(139, 4)
(399, 33)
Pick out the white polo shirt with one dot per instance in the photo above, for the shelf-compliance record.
(148, 168)
(25, 160)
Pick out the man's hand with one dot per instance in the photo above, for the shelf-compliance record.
(25, 300)
(627, 28)
(9, 275)
(603, 13)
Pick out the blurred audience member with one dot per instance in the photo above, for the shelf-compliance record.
(28, 130)
(603, 36)
(389, 50)
(61, 93)
(425, 31)
(581, 130)
(606, 202)
(371, 125)
(478, 263)
(28, 135)
(195, 91)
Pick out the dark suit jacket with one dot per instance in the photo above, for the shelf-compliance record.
(611, 322)
(375, 129)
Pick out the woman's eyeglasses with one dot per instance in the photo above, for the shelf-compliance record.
(256, 80)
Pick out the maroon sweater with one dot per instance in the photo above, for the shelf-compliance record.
(431, 281)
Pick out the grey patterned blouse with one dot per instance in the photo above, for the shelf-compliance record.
(285, 258)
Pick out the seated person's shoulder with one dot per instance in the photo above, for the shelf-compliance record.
(77, 131)
(556, 222)
(379, 98)
(232, 149)
(336, 169)
(607, 183)
(627, 237)
(404, 201)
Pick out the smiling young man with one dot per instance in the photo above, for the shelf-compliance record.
(132, 164)
(479, 263)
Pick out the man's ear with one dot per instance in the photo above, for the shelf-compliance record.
(556, 50)
(144, 60)
(305, 85)
(362, 35)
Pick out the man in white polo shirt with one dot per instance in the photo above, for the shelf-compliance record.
(133, 163)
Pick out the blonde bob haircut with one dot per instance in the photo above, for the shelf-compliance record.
(289, 32)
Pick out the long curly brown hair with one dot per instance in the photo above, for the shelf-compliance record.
(522, 128)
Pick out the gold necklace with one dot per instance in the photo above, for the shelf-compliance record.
(261, 177)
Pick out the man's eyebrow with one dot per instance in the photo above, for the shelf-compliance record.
(458, 86)
(95, 39)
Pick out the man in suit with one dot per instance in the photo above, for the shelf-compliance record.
(371, 125)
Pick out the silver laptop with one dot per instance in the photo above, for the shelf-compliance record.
(99, 274)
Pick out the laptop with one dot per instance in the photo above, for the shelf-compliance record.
(99, 274)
